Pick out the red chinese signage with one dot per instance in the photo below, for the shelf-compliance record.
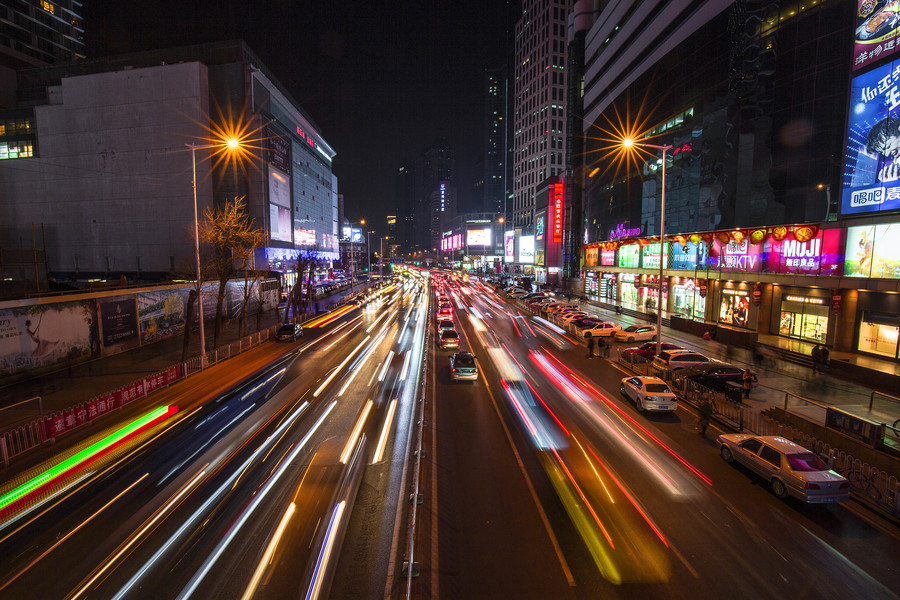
(556, 209)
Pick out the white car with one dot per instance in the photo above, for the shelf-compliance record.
(649, 393)
(790, 469)
(637, 333)
(517, 293)
(561, 307)
(463, 367)
(601, 329)
(574, 315)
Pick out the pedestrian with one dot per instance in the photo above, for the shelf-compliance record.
(590, 347)
(601, 347)
(816, 355)
(757, 355)
(707, 335)
(823, 358)
(706, 413)
(747, 382)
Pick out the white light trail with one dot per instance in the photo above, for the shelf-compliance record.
(270, 550)
(405, 369)
(354, 435)
(315, 587)
(385, 430)
(387, 363)
(339, 367)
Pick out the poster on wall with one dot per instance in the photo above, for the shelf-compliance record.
(161, 313)
(119, 323)
(591, 284)
(800, 254)
(736, 256)
(590, 256)
(630, 256)
(279, 205)
(47, 335)
(871, 181)
(650, 255)
(478, 237)
(607, 257)
(875, 36)
(873, 251)
(735, 308)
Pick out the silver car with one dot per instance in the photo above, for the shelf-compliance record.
(463, 367)
(790, 469)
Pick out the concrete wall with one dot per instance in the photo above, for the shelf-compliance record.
(112, 184)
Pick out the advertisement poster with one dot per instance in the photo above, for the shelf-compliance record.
(41, 336)
(736, 256)
(118, 323)
(820, 255)
(509, 246)
(735, 308)
(875, 36)
(279, 205)
(478, 237)
(630, 256)
(607, 258)
(161, 313)
(872, 163)
(873, 251)
(650, 255)
(590, 256)
(526, 249)
(591, 284)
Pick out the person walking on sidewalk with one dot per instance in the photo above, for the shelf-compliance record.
(601, 347)
(747, 382)
(816, 355)
(706, 413)
(590, 347)
(823, 358)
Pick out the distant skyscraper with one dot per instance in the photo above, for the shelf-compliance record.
(539, 139)
(495, 146)
(433, 167)
(406, 208)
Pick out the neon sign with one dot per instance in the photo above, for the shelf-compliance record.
(621, 232)
(556, 208)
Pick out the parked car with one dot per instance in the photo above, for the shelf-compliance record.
(584, 322)
(574, 315)
(649, 393)
(636, 333)
(676, 360)
(648, 350)
(790, 469)
(289, 332)
(561, 307)
(449, 339)
(463, 367)
(599, 329)
(517, 294)
(715, 375)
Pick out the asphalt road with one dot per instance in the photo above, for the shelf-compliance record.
(548, 484)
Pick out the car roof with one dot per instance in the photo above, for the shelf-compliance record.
(783, 444)
(650, 379)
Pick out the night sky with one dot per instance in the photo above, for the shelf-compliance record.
(382, 80)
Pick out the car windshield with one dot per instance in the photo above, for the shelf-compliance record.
(658, 388)
(464, 361)
(286, 329)
(631, 328)
(449, 333)
(805, 461)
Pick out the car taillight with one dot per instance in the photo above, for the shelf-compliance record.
(453, 370)
(812, 486)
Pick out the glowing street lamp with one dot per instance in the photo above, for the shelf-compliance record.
(629, 143)
(229, 144)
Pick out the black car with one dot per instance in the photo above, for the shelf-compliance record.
(289, 332)
(714, 375)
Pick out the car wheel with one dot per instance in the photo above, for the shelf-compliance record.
(653, 339)
(726, 454)
(587, 334)
(639, 404)
(631, 339)
(779, 489)
(622, 390)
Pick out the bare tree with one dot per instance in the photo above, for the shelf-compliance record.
(306, 261)
(230, 232)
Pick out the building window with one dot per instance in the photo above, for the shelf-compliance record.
(48, 7)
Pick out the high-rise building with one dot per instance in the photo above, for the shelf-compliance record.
(493, 187)
(539, 140)
(434, 167)
(406, 208)
(35, 34)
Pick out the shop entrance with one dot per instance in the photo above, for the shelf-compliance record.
(804, 318)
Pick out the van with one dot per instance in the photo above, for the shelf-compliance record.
(675, 360)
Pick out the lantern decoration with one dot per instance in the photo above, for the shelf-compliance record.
(779, 232)
(723, 236)
(643, 242)
(804, 233)
(738, 235)
(695, 238)
(681, 239)
(708, 237)
(757, 236)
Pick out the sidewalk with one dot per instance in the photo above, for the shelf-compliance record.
(79, 383)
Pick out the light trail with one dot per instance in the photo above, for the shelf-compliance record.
(315, 587)
(267, 555)
(385, 431)
(339, 367)
(348, 332)
(387, 363)
(354, 435)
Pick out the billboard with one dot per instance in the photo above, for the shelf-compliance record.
(509, 245)
(875, 37)
(873, 251)
(871, 181)
(630, 256)
(526, 249)
(800, 254)
(650, 255)
(478, 237)
(280, 227)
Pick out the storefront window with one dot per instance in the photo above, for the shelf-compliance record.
(735, 308)
(878, 334)
(608, 287)
(590, 284)
(688, 301)
(629, 293)
(804, 317)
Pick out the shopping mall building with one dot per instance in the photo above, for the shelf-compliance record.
(781, 128)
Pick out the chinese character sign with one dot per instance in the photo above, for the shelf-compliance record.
(871, 180)
(556, 209)
(877, 26)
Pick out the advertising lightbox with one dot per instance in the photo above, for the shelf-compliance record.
(509, 245)
(526, 249)
(607, 258)
(873, 251)
(871, 181)
(630, 256)
(280, 226)
(650, 255)
(875, 36)
(478, 237)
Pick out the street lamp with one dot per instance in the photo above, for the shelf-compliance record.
(231, 143)
(628, 143)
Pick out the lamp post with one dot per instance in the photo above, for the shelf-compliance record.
(628, 143)
(369, 254)
(231, 143)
